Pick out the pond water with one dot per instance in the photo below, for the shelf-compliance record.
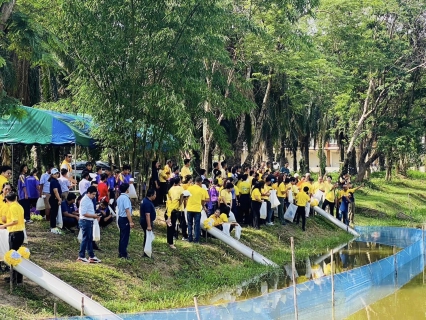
(409, 302)
(346, 257)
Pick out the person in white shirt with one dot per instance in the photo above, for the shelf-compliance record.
(87, 216)
(45, 190)
(84, 183)
(65, 183)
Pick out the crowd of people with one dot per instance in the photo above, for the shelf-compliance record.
(100, 197)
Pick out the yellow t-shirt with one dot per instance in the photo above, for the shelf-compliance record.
(256, 195)
(227, 195)
(302, 199)
(318, 186)
(185, 172)
(219, 220)
(266, 189)
(244, 187)
(3, 180)
(173, 197)
(275, 186)
(3, 209)
(167, 171)
(250, 180)
(329, 194)
(306, 184)
(342, 193)
(162, 176)
(195, 201)
(282, 190)
(16, 213)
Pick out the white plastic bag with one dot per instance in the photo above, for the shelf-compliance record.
(290, 196)
(4, 242)
(96, 231)
(318, 195)
(80, 236)
(307, 210)
(185, 213)
(290, 212)
(238, 230)
(263, 210)
(59, 221)
(25, 236)
(274, 199)
(132, 192)
(203, 217)
(226, 228)
(231, 217)
(148, 244)
(40, 204)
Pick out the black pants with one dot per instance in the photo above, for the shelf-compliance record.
(16, 239)
(54, 207)
(255, 211)
(330, 206)
(245, 208)
(25, 203)
(171, 230)
(224, 209)
(124, 225)
(183, 225)
(301, 213)
(69, 222)
(162, 192)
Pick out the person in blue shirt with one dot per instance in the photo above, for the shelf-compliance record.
(125, 221)
(70, 215)
(55, 199)
(111, 184)
(343, 209)
(32, 184)
(285, 169)
(147, 214)
(23, 193)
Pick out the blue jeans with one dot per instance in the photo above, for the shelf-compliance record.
(124, 225)
(344, 214)
(86, 227)
(194, 218)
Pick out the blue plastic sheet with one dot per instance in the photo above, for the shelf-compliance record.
(354, 289)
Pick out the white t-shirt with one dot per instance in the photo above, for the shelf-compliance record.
(83, 186)
(65, 184)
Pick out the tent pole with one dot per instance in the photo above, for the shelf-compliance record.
(12, 164)
(75, 164)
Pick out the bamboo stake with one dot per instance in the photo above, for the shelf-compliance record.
(11, 280)
(332, 286)
(293, 276)
(54, 310)
(196, 308)
(82, 306)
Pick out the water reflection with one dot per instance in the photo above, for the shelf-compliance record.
(346, 257)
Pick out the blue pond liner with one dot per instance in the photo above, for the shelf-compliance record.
(354, 289)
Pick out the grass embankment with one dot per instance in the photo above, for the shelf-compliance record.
(170, 280)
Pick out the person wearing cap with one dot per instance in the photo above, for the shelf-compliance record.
(45, 189)
(55, 199)
(266, 192)
(125, 221)
(173, 204)
(196, 202)
(84, 183)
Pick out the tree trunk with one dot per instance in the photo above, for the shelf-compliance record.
(382, 163)
(269, 146)
(6, 10)
(260, 120)
(389, 169)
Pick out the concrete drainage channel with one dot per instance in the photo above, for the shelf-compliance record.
(353, 289)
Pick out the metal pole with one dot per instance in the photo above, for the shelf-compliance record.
(12, 165)
(332, 286)
(75, 165)
(196, 308)
(293, 276)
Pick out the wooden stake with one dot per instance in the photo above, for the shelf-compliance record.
(332, 286)
(82, 306)
(196, 308)
(54, 310)
(11, 280)
(293, 276)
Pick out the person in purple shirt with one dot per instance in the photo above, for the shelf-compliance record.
(22, 193)
(32, 183)
(98, 174)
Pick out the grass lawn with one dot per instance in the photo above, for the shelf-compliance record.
(170, 280)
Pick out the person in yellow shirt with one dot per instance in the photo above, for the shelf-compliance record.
(256, 203)
(329, 196)
(196, 202)
(307, 183)
(187, 182)
(266, 192)
(15, 224)
(245, 187)
(318, 185)
(225, 198)
(219, 219)
(174, 201)
(281, 195)
(302, 199)
(186, 171)
(5, 175)
(4, 207)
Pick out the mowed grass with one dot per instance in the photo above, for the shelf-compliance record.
(380, 202)
(170, 280)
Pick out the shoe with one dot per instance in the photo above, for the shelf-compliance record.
(29, 221)
(172, 246)
(94, 260)
(184, 239)
(269, 223)
(80, 259)
(56, 231)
